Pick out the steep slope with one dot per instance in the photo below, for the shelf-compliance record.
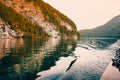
(110, 29)
(5, 30)
(42, 14)
(12, 20)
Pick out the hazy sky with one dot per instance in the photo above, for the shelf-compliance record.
(87, 13)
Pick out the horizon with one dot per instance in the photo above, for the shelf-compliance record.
(87, 14)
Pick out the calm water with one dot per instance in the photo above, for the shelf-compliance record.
(55, 59)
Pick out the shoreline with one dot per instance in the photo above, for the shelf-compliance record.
(111, 73)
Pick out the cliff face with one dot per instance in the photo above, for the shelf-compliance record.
(7, 32)
(41, 14)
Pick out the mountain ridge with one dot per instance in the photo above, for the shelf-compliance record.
(41, 14)
(110, 29)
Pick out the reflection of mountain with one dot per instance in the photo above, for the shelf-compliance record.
(61, 50)
(32, 57)
(7, 45)
(71, 64)
(96, 43)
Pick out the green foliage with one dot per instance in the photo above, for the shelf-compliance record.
(51, 15)
(110, 29)
(17, 21)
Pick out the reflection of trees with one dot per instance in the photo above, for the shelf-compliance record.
(20, 60)
(99, 43)
(61, 50)
(7, 45)
(34, 56)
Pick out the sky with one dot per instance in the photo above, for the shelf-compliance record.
(87, 14)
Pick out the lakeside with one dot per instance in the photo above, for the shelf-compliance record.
(111, 73)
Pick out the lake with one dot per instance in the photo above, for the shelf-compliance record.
(55, 59)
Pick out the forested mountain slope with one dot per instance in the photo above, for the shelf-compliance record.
(110, 29)
(35, 18)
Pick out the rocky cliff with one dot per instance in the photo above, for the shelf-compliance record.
(35, 17)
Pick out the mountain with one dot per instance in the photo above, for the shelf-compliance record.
(110, 29)
(33, 18)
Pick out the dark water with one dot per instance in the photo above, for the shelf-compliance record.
(55, 59)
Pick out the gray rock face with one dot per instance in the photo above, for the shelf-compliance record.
(54, 23)
(7, 32)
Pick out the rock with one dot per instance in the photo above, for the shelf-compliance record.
(116, 59)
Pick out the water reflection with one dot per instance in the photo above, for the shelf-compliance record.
(96, 43)
(71, 64)
(7, 46)
(87, 62)
(23, 59)
(93, 56)
(55, 59)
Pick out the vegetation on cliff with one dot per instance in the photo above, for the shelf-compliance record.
(54, 16)
(35, 18)
(18, 22)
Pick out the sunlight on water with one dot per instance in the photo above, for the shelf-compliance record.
(56, 70)
(26, 59)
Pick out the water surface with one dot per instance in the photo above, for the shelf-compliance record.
(26, 59)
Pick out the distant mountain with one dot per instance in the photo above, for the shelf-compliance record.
(33, 18)
(110, 29)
